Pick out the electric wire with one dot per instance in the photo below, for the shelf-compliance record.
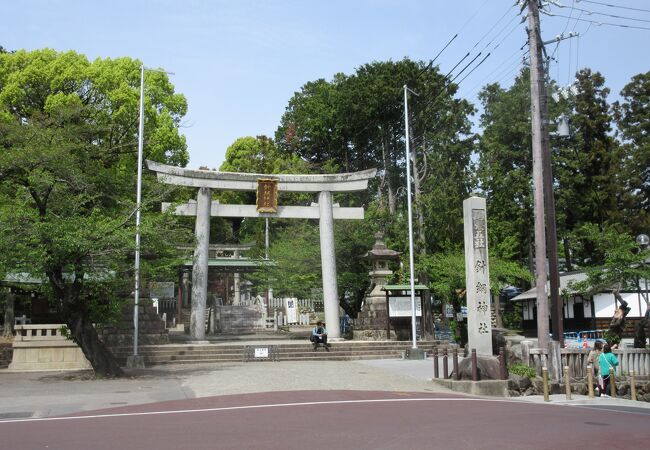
(598, 13)
(615, 6)
(595, 22)
(493, 27)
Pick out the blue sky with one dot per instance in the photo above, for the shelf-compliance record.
(239, 62)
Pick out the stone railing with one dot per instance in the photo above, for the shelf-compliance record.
(45, 347)
(637, 359)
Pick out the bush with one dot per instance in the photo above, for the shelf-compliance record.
(522, 370)
(611, 338)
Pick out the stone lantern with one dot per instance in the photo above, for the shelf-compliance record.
(371, 321)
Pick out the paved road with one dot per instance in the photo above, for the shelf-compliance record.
(331, 404)
(333, 420)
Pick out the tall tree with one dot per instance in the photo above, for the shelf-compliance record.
(68, 132)
(632, 115)
(505, 167)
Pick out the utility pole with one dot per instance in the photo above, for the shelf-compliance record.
(545, 228)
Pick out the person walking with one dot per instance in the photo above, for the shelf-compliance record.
(592, 358)
(606, 360)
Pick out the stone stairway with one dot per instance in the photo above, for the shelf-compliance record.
(287, 351)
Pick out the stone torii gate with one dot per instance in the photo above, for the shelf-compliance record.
(204, 208)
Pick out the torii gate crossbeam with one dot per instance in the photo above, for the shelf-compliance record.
(204, 208)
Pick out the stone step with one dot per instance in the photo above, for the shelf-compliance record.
(208, 352)
(287, 345)
(285, 355)
(301, 351)
(314, 356)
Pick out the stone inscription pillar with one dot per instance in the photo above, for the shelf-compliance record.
(328, 263)
(236, 282)
(477, 276)
(200, 270)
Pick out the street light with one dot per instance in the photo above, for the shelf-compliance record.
(135, 360)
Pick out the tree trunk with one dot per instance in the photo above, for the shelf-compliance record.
(567, 255)
(85, 335)
(443, 305)
(386, 178)
(427, 311)
(10, 300)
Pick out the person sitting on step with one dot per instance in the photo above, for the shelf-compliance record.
(319, 335)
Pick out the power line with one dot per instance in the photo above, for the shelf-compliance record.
(595, 22)
(589, 12)
(475, 67)
(615, 6)
(493, 27)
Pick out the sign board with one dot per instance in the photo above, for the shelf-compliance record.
(290, 305)
(401, 307)
(163, 290)
(261, 352)
(449, 310)
(267, 195)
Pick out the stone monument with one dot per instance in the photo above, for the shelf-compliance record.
(371, 321)
(477, 276)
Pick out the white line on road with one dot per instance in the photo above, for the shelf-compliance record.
(274, 405)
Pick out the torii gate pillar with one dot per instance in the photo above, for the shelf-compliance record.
(200, 267)
(328, 265)
(204, 208)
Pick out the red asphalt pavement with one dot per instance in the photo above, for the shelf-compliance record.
(333, 420)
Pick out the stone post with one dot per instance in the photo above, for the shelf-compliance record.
(477, 275)
(9, 319)
(328, 262)
(236, 281)
(554, 360)
(525, 352)
(200, 270)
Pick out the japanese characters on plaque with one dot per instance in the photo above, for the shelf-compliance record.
(477, 276)
(267, 195)
(482, 282)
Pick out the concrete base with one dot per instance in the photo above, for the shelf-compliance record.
(135, 362)
(198, 342)
(415, 353)
(45, 347)
(488, 388)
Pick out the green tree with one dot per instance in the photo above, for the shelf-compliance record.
(447, 274)
(632, 115)
(592, 157)
(505, 167)
(68, 132)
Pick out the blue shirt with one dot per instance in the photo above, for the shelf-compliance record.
(315, 332)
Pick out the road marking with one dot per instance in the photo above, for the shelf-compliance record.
(234, 408)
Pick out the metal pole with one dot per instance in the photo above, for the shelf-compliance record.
(410, 216)
(137, 216)
(536, 91)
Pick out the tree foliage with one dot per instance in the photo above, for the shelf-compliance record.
(68, 132)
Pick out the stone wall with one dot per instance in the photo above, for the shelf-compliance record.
(151, 328)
